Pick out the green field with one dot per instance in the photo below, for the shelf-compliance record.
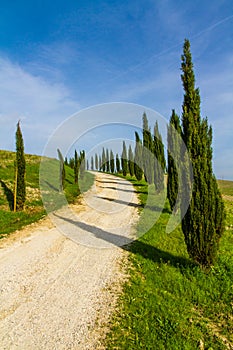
(168, 302)
(34, 209)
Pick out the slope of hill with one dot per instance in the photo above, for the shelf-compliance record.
(34, 210)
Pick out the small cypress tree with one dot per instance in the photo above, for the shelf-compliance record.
(118, 165)
(131, 161)
(62, 170)
(82, 162)
(159, 160)
(124, 161)
(20, 171)
(174, 159)
(92, 163)
(203, 223)
(112, 162)
(100, 163)
(96, 162)
(103, 164)
(138, 160)
(107, 161)
(76, 167)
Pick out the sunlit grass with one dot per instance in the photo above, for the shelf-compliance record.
(169, 302)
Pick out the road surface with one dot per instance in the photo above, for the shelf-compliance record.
(59, 279)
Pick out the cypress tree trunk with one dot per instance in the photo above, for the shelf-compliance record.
(20, 171)
(203, 223)
(138, 160)
(174, 159)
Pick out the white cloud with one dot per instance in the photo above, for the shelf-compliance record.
(40, 104)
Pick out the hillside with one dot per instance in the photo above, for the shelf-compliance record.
(34, 210)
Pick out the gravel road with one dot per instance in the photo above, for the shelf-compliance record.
(60, 278)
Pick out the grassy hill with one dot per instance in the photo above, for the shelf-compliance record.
(169, 302)
(34, 210)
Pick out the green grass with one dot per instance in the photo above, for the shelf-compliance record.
(226, 187)
(168, 302)
(34, 208)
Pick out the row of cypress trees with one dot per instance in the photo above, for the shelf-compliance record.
(189, 169)
(203, 222)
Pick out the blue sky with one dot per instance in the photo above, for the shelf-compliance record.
(57, 58)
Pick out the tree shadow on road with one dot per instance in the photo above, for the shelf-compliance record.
(137, 246)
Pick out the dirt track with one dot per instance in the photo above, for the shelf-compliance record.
(54, 290)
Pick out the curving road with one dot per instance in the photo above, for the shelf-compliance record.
(59, 278)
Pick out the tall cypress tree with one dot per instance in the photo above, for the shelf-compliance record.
(118, 165)
(174, 159)
(138, 158)
(203, 223)
(96, 162)
(20, 171)
(103, 164)
(159, 159)
(112, 162)
(147, 150)
(131, 161)
(124, 161)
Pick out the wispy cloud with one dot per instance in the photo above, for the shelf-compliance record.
(40, 104)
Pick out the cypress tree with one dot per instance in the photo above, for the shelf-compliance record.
(107, 161)
(76, 167)
(100, 163)
(20, 185)
(112, 162)
(124, 161)
(92, 163)
(131, 161)
(96, 162)
(138, 160)
(103, 165)
(118, 165)
(174, 159)
(62, 170)
(147, 150)
(82, 162)
(159, 159)
(203, 223)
